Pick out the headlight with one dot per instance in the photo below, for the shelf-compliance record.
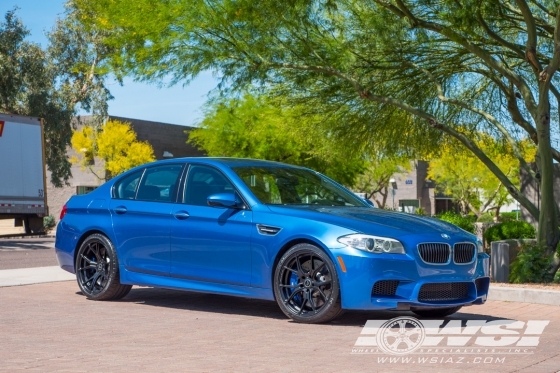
(480, 246)
(372, 244)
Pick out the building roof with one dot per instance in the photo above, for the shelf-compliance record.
(163, 137)
(170, 139)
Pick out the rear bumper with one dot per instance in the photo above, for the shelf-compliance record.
(64, 246)
(363, 271)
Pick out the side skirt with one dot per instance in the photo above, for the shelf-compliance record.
(144, 279)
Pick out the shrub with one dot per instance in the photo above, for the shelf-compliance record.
(509, 230)
(507, 216)
(486, 218)
(49, 223)
(463, 222)
(531, 265)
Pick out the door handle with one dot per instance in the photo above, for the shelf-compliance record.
(120, 209)
(181, 215)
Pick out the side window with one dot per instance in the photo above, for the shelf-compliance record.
(203, 181)
(159, 183)
(126, 187)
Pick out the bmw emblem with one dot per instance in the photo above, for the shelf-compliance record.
(446, 236)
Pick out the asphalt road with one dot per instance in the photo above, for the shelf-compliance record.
(27, 253)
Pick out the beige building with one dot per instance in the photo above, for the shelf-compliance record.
(167, 140)
(411, 190)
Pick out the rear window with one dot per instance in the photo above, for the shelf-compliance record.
(159, 183)
(126, 187)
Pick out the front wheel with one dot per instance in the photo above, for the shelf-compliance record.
(97, 269)
(306, 285)
(436, 312)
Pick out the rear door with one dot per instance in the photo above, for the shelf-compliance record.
(211, 244)
(141, 213)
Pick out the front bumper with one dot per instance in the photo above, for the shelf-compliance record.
(364, 270)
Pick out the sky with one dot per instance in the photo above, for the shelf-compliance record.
(175, 105)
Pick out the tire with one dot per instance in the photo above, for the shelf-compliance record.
(97, 269)
(436, 312)
(306, 285)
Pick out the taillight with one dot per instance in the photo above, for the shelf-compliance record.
(63, 212)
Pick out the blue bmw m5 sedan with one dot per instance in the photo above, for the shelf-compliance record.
(265, 230)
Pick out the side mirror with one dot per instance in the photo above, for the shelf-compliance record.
(369, 202)
(227, 200)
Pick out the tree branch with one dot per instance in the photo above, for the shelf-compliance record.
(543, 8)
(487, 116)
(483, 54)
(433, 122)
(531, 46)
(497, 37)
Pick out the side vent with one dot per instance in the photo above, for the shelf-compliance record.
(268, 230)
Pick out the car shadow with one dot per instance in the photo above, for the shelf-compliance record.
(36, 244)
(224, 304)
(192, 301)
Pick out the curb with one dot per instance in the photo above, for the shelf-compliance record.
(525, 295)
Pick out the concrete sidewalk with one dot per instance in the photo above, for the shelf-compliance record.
(28, 276)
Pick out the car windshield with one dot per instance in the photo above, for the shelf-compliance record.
(293, 186)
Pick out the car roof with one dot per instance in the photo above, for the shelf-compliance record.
(231, 162)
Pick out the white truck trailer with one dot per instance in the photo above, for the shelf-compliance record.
(23, 189)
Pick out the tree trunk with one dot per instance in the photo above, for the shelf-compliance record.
(464, 207)
(108, 175)
(548, 233)
(381, 204)
(497, 214)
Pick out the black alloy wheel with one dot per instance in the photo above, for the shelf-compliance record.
(97, 269)
(306, 285)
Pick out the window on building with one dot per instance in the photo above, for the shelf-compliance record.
(84, 189)
(409, 205)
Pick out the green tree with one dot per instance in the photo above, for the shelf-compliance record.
(115, 144)
(51, 84)
(255, 127)
(456, 67)
(374, 181)
(78, 57)
(463, 176)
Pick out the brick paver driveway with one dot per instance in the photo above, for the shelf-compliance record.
(52, 327)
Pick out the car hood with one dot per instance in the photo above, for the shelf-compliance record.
(372, 220)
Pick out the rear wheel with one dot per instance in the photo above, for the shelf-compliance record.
(436, 312)
(306, 285)
(97, 269)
